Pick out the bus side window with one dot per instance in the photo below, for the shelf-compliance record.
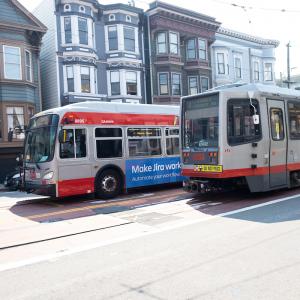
(172, 141)
(67, 148)
(80, 138)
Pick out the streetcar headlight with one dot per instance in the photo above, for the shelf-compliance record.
(48, 176)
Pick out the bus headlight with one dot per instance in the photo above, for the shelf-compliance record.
(48, 176)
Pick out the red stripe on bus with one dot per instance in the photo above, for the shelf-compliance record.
(75, 187)
(238, 172)
(89, 118)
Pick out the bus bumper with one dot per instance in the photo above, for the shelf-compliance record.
(39, 189)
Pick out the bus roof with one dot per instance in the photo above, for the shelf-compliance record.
(108, 107)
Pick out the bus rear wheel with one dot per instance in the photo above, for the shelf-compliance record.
(108, 184)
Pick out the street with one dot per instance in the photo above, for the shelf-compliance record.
(151, 244)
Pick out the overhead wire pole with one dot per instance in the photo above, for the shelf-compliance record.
(288, 65)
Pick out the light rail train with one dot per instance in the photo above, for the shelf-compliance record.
(241, 135)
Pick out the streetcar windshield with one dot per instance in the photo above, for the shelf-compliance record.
(40, 139)
(201, 121)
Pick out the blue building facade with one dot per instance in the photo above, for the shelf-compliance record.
(91, 52)
(20, 90)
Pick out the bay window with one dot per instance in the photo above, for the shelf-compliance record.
(193, 85)
(112, 38)
(221, 63)
(131, 83)
(28, 66)
(15, 122)
(70, 78)
(204, 83)
(83, 31)
(85, 79)
(129, 39)
(268, 72)
(174, 43)
(202, 49)
(163, 83)
(161, 43)
(176, 84)
(68, 30)
(115, 83)
(191, 49)
(12, 63)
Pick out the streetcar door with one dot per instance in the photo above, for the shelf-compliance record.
(278, 143)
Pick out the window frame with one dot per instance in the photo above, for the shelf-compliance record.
(200, 50)
(129, 38)
(191, 49)
(86, 32)
(158, 137)
(221, 64)
(159, 84)
(246, 101)
(282, 119)
(171, 136)
(68, 78)
(131, 82)
(180, 83)
(90, 86)
(189, 84)
(15, 136)
(109, 138)
(292, 136)
(111, 82)
(115, 38)
(69, 30)
(256, 71)
(177, 44)
(28, 66)
(4, 63)
(161, 43)
(238, 67)
(268, 73)
(201, 85)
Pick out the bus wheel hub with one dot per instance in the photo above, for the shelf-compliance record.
(109, 184)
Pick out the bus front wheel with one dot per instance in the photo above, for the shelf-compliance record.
(108, 184)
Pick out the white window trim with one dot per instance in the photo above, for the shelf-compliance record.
(200, 86)
(259, 70)
(81, 10)
(111, 17)
(193, 76)
(224, 62)
(173, 73)
(241, 67)
(272, 75)
(166, 43)
(135, 39)
(5, 75)
(158, 83)
(31, 69)
(206, 51)
(187, 49)
(67, 9)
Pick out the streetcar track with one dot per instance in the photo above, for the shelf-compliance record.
(63, 236)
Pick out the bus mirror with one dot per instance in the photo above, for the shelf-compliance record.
(255, 119)
(62, 136)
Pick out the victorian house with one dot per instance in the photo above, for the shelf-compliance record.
(92, 52)
(179, 59)
(20, 90)
(239, 57)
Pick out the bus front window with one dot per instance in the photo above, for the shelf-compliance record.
(201, 121)
(40, 139)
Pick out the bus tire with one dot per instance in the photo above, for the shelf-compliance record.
(108, 184)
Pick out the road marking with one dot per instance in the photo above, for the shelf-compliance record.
(123, 199)
(150, 231)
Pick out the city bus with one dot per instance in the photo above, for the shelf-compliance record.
(102, 148)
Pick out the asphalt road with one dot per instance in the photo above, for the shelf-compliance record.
(250, 253)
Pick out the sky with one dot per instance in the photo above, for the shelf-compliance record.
(269, 19)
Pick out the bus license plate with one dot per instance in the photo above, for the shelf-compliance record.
(209, 168)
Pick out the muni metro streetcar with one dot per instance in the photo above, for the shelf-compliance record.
(102, 148)
(241, 135)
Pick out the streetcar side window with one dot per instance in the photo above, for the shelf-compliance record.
(240, 126)
(277, 129)
(294, 120)
(109, 142)
(172, 141)
(144, 141)
(74, 145)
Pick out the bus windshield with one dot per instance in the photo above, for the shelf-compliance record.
(201, 121)
(40, 139)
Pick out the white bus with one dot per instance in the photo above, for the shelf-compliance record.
(102, 148)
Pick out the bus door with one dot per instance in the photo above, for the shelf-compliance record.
(278, 143)
(74, 169)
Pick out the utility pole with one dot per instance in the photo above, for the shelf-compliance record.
(288, 65)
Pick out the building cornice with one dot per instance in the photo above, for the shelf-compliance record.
(247, 37)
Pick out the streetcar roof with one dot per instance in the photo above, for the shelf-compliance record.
(108, 107)
(271, 90)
